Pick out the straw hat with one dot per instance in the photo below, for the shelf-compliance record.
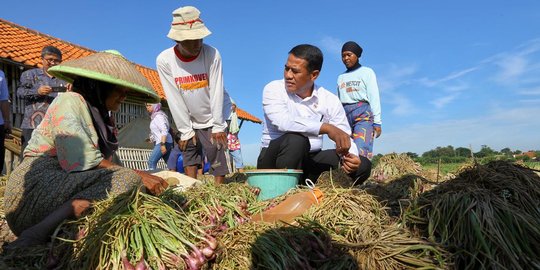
(187, 25)
(111, 67)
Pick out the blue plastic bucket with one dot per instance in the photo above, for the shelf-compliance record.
(273, 182)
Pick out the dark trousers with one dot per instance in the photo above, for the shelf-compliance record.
(194, 154)
(291, 151)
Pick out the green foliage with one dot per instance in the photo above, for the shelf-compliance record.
(443, 159)
(250, 167)
(506, 151)
(412, 155)
(375, 160)
(463, 152)
(486, 151)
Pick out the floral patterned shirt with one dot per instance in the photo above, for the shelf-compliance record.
(67, 133)
(233, 142)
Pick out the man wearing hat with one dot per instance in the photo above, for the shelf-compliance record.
(36, 89)
(67, 165)
(359, 94)
(192, 79)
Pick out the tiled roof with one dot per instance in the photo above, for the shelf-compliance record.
(23, 45)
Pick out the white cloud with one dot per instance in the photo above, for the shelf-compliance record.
(395, 76)
(452, 76)
(393, 79)
(458, 87)
(518, 65)
(332, 45)
(511, 68)
(402, 105)
(442, 101)
(530, 101)
(530, 92)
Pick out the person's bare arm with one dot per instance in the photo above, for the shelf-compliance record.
(155, 185)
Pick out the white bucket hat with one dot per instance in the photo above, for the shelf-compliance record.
(187, 25)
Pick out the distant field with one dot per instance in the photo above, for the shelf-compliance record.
(453, 167)
(444, 169)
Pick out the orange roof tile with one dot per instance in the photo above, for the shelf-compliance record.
(23, 45)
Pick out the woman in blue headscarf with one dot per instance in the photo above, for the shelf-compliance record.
(159, 135)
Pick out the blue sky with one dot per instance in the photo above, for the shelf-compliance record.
(461, 73)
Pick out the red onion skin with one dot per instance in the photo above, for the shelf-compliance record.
(191, 263)
(220, 211)
(141, 265)
(197, 254)
(81, 234)
(211, 241)
(126, 263)
(208, 252)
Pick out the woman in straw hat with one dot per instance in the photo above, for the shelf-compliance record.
(68, 162)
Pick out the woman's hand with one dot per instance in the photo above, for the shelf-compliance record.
(155, 185)
(377, 130)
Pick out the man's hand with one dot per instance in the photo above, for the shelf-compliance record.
(154, 184)
(342, 139)
(182, 145)
(219, 139)
(350, 163)
(377, 130)
(44, 90)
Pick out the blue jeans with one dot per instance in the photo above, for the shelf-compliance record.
(237, 157)
(156, 155)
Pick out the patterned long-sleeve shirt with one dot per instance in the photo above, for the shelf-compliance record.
(35, 105)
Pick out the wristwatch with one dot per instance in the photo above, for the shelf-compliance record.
(162, 143)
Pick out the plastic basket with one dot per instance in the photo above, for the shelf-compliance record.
(273, 182)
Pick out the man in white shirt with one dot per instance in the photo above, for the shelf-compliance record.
(192, 78)
(297, 115)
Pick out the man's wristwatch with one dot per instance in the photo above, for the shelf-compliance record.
(162, 143)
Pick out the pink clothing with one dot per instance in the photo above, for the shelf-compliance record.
(233, 142)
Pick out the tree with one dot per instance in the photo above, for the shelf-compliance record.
(486, 151)
(506, 151)
(463, 152)
(438, 152)
(446, 151)
(412, 155)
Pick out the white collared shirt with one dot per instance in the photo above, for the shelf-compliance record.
(286, 112)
